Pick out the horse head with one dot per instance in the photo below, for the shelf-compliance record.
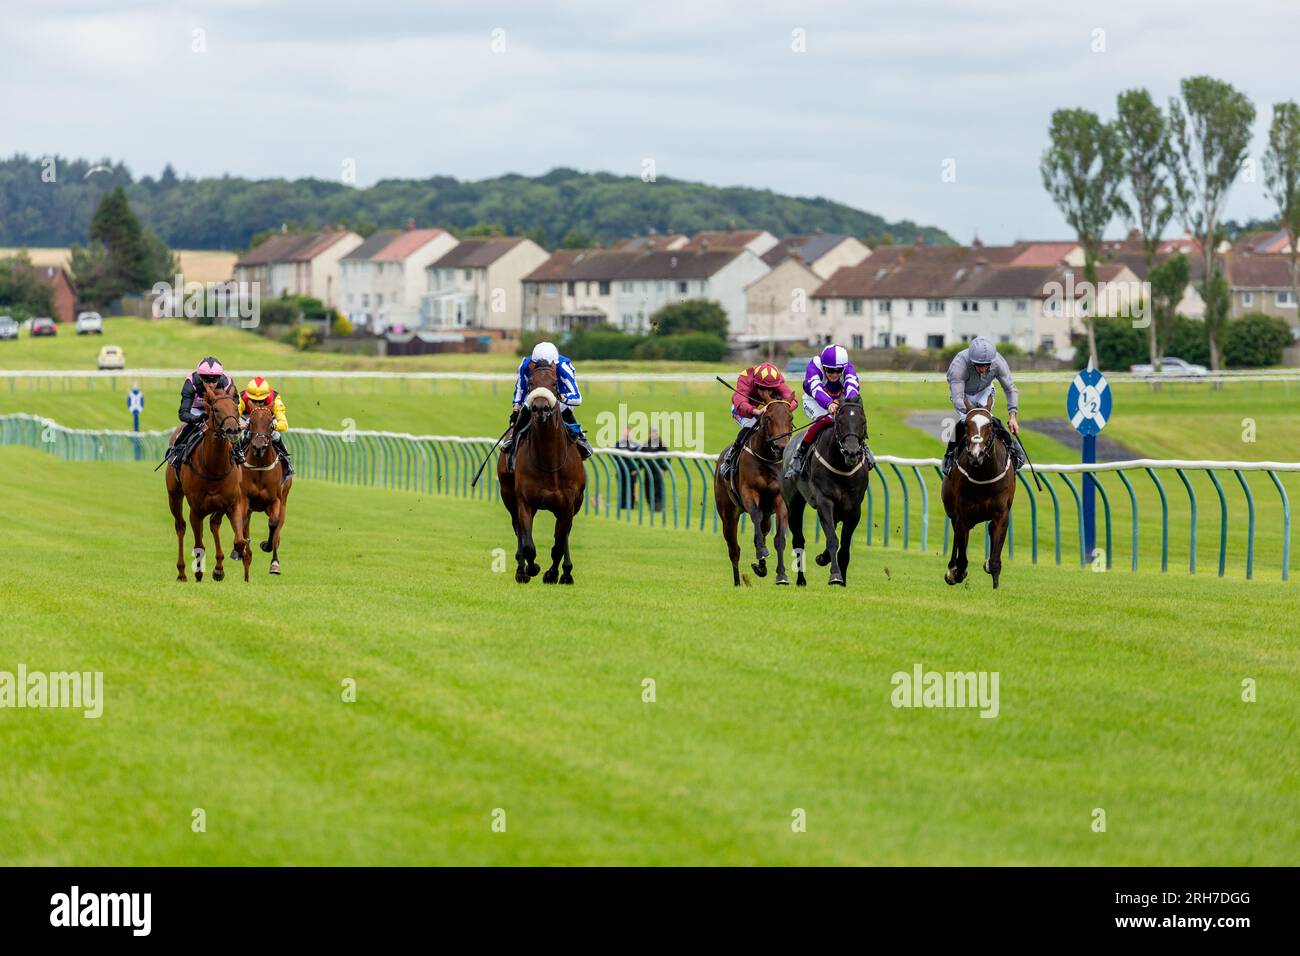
(776, 423)
(542, 400)
(851, 429)
(979, 430)
(223, 413)
(261, 426)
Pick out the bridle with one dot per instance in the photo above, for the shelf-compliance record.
(269, 444)
(544, 415)
(769, 441)
(976, 441)
(219, 429)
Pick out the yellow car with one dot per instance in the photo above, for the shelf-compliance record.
(110, 356)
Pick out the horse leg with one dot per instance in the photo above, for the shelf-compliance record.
(794, 515)
(782, 522)
(997, 535)
(563, 522)
(730, 526)
(174, 500)
(826, 515)
(526, 556)
(957, 563)
(196, 525)
(847, 527)
(758, 519)
(275, 524)
(239, 521)
(219, 572)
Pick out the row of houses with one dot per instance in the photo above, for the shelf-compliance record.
(803, 289)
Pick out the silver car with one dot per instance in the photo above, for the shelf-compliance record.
(1170, 366)
(8, 327)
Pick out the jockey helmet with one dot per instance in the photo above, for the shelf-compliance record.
(982, 350)
(768, 375)
(210, 367)
(257, 388)
(834, 358)
(546, 352)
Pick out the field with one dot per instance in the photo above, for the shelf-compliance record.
(1119, 691)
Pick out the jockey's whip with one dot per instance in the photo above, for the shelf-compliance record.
(1037, 483)
(489, 454)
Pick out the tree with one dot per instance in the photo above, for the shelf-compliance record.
(1168, 283)
(122, 256)
(1210, 132)
(1083, 168)
(21, 292)
(1144, 134)
(1282, 177)
(692, 315)
(577, 238)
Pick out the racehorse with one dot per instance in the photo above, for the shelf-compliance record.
(548, 476)
(980, 487)
(212, 484)
(836, 479)
(754, 487)
(264, 483)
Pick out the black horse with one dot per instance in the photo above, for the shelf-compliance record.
(835, 481)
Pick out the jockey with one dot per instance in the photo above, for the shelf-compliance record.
(830, 377)
(971, 378)
(545, 353)
(756, 387)
(194, 406)
(258, 391)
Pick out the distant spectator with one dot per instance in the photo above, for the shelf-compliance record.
(628, 471)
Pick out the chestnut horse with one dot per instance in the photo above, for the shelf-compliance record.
(212, 484)
(265, 485)
(755, 488)
(548, 476)
(980, 487)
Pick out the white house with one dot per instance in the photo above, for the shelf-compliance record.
(298, 264)
(479, 284)
(648, 282)
(381, 280)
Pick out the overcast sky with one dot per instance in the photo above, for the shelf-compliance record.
(711, 90)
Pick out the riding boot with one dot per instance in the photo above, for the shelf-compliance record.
(949, 457)
(520, 425)
(284, 455)
(579, 436)
(729, 459)
(508, 442)
(794, 470)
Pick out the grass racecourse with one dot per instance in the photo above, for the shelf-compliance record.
(476, 696)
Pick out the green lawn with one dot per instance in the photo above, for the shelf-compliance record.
(1117, 691)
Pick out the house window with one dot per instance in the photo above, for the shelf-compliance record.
(1047, 343)
(1248, 298)
(365, 300)
(681, 287)
(970, 306)
(934, 341)
(659, 285)
(883, 307)
(821, 304)
(853, 306)
(909, 306)
(900, 341)
(379, 300)
(882, 340)
(1004, 339)
(857, 342)
(1286, 299)
(934, 307)
(995, 305)
(604, 288)
(551, 288)
(572, 288)
(1022, 305)
(469, 275)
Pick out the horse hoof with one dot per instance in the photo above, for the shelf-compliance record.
(523, 577)
(534, 570)
(275, 568)
(198, 576)
(986, 568)
(218, 575)
(782, 579)
(265, 546)
(837, 580)
(566, 578)
(550, 577)
(760, 569)
(823, 559)
(801, 581)
(950, 577)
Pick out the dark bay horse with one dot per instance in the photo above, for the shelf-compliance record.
(264, 483)
(212, 484)
(755, 488)
(548, 476)
(980, 487)
(836, 480)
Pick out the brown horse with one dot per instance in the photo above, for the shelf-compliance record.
(548, 476)
(980, 487)
(212, 484)
(265, 485)
(755, 488)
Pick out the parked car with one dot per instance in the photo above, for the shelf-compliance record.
(8, 327)
(110, 356)
(44, 327)
(90, 323)
(1170, 366)
(797, 366)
